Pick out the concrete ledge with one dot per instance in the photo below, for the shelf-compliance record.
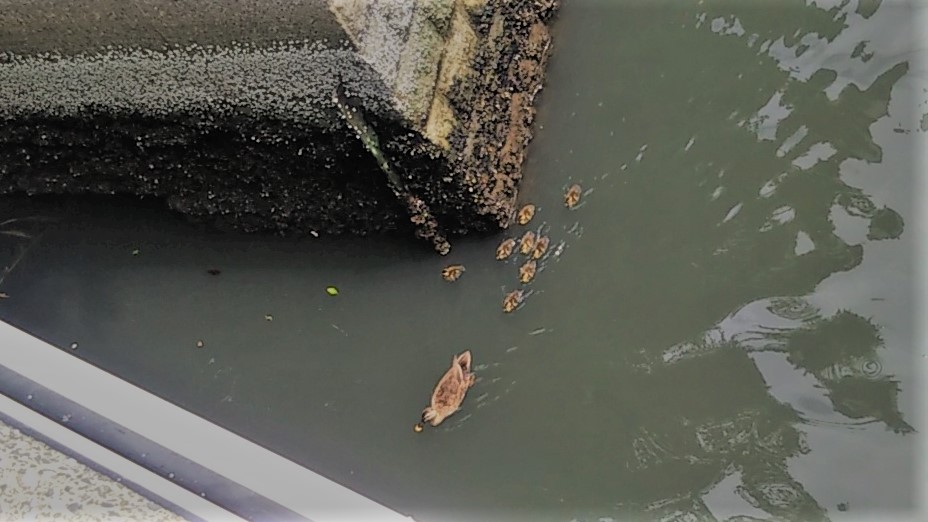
(45, 476)
(167, 452)
(341, 116)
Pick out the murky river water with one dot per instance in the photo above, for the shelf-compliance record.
(725, 326)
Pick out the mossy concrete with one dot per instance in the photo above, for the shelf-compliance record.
(260, 114)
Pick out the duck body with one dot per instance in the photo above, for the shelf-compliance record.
(504, 250)
(527, 243)
(450, 391)
(541, 246)
(512, 301)
(525, 214)
(452, 272)
(572, 197)
(527, 271)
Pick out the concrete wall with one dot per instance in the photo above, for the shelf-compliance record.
(326, 116)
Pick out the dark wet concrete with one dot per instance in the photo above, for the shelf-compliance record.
(225, 110)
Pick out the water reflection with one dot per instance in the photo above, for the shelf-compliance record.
(841, 353)
(779, 110)
(727, 425)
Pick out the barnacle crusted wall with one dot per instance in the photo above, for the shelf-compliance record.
(339, 116)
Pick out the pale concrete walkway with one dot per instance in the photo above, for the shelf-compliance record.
(39, 483)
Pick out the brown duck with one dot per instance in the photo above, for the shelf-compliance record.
(527, 271)
(541, 246)
(512, 301)
(525, 214)
(504, 250)
(527, 243)
(573, 196)
(450, 390)
(452, 272)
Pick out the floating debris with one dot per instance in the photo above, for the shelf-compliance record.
(526, 214)
(268, 317)
(541, 246)
(200, 343)
(417, 428)
(527, 272)
(504, 250)
(573, 196)
(331, 290)
(74, 346)
(452, 272)
(136, 252)
(4, 295)
(512, 301)
(214, 271)
(527, 243)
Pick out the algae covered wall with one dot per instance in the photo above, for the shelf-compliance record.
(329, 117)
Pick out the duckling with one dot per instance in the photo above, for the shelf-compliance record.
(541, 246)
(573, 196)
(512, 300)
(452, 272)
(527, 243)
(526, 214)
(527, 271)
(504, 250)
(450, 390)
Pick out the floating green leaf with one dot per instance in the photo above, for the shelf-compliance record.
(331, 290)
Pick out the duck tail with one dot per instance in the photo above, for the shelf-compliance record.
(464, 359)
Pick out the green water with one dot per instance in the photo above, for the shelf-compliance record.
(725, 326)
